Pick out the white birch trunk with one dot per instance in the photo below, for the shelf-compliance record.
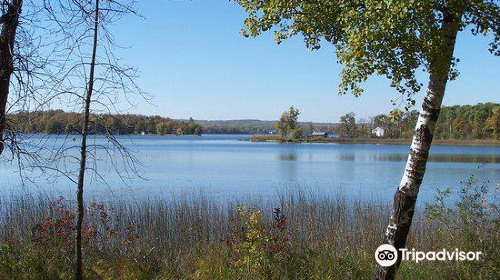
(406, 194)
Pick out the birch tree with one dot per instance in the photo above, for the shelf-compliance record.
(392, 38)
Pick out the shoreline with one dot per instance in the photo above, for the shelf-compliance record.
(300, 233)
(340, 140)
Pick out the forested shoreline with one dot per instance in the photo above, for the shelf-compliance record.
(461, 122)
(61, 122)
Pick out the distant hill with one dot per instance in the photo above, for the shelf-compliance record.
(61, 122)
(252, 126)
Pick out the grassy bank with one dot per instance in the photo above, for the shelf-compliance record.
(342, 140)
(300, 236)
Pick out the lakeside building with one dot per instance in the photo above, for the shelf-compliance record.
(378, 131)
(319, 134)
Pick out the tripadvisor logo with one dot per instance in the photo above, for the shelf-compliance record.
(387, 255)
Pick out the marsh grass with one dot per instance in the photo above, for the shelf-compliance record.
(300, 235)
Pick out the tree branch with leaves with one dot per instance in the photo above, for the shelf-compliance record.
(394, 39)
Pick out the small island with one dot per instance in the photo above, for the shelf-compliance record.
(380, 141)
(477, 125)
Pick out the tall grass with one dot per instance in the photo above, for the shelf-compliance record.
(301, 235)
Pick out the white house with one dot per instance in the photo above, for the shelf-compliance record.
(378, 131)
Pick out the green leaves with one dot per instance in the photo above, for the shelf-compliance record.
(392, 38)
(288, 123)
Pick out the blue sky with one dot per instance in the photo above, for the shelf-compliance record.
(194, 61)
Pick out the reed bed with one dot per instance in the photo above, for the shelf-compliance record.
(299, 235)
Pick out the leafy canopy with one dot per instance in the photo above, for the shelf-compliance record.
(288, 123)
(393, 38)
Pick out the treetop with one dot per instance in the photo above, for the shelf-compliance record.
(392, 38)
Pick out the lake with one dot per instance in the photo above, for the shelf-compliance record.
(225, 167)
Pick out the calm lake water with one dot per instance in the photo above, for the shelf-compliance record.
(224, 166)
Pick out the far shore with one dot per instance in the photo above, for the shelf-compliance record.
(342, 140)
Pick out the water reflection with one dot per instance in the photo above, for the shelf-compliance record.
(465, 158)
(348, 157)
(220, 164)
(288, 157)
(453, 158)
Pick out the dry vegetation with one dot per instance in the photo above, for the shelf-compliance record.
(303, 235)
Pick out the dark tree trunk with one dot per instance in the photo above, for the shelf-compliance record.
(83, 159)
(9, 21)
(406, 194)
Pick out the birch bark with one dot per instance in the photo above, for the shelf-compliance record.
(407, 192)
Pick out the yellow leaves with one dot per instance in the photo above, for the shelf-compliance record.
(261, 248)
(253, 224)
(251, 248)
(395, 115)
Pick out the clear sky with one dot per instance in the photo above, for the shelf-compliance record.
(194, 61)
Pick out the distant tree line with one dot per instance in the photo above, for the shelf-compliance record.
(60, 122)
(257, 127)
(481, 121)
(227, 127)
